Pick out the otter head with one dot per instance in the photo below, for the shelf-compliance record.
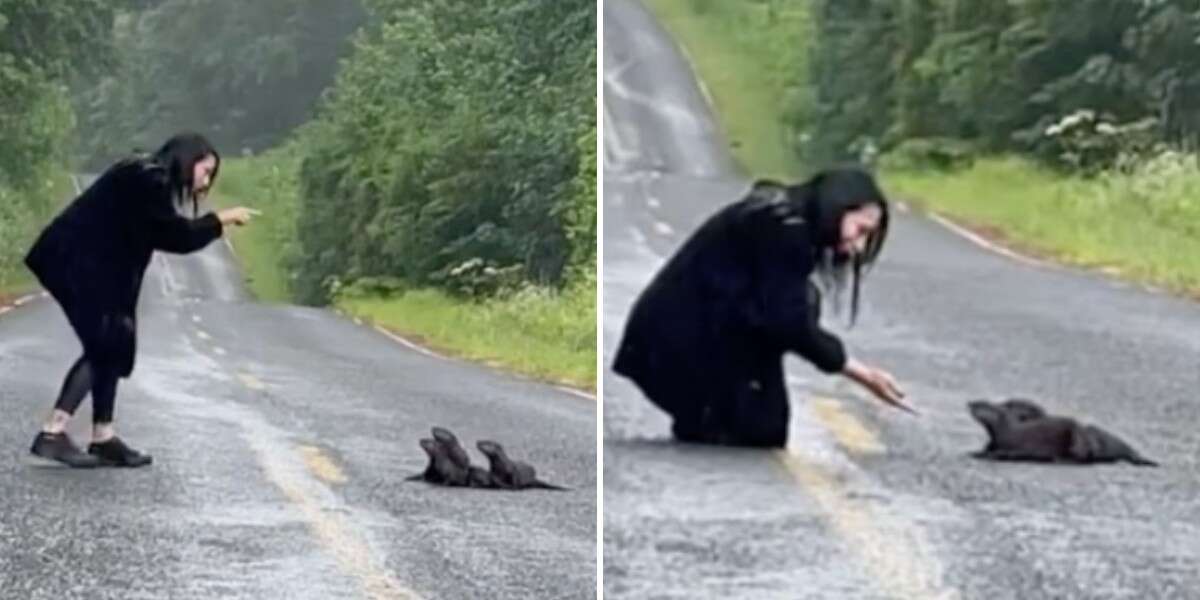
(991, 416)
(490, 448)
(429, 446)
(444, 436)
(1021, 409)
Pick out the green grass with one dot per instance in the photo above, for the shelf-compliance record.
(266, 183)
(1145, 225)
(751, 57)
(542, 333)
(19, 228)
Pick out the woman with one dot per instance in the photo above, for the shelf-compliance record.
(705, 341)
(92, 258)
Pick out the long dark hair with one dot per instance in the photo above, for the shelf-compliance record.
(827, 197)
(179, 156)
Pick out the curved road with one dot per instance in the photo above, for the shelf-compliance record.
(281, 436)
(870, 502)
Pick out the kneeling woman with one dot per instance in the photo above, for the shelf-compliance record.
(706, 339)
(92, 258)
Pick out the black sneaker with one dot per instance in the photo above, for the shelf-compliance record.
(114, 453)
(58, 447)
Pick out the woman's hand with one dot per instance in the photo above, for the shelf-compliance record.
(878, 382)
(237, 216)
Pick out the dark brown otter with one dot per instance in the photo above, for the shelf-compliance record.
(442, 469)
(1017, 433)
(512, 474)
(454, 450)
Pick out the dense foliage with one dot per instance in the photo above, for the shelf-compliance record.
(449, 150)
(43, 47)
(999, 76)
(244, 73)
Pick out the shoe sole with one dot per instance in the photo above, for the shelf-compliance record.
(41, 462)
(122, 465)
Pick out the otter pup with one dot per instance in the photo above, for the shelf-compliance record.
(476, 477)
(454, 450)
(449, 463)
(511, 474)
(1016, 433)
(442, 469)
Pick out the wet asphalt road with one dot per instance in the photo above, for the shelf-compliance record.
(281, 436)
(868, 502)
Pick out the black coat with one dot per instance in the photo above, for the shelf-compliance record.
(92, 256)
(705, 340)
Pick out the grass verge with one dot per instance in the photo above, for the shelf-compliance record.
(1141, 225)
(545, 334)
(22, 217)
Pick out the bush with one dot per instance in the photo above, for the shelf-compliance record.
(943, 154)
(449, 149)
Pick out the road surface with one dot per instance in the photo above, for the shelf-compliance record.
(281, 436)
(869, 502)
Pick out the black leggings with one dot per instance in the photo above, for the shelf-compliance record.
(82, 378)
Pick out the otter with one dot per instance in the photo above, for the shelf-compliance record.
(454, 450)
(449, 463)
(442, 469)
(512, 474)
(478, 477)
(1017, 433)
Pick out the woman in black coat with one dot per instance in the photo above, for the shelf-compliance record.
(92, 257)
(705, 341)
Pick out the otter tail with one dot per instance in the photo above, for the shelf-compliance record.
(542, 485)
(1141, 461)
(417, 477)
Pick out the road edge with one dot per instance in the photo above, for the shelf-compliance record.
(405, 342)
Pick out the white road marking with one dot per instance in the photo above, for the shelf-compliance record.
(408, 344)
(575, 392)
(987, 245)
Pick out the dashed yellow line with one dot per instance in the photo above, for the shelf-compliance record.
(332, 530)
(850, 433)
(893, 551)
(347, 546)
(251, 381)
(321, 465)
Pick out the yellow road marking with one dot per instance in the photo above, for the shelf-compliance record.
(251, 381)
(333, 531)
(850, 433)
(322, 466)
(349, 549)
(894, 552)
